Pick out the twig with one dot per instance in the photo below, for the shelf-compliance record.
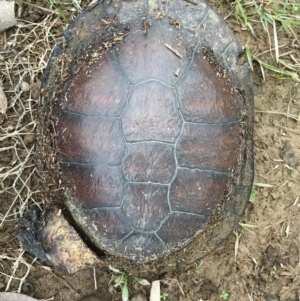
(192, 2)
(174, 50)
(95, 279)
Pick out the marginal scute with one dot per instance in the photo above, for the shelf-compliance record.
(149, 161)
(197, 191)
(217, 38)
(205, 95)
(212, 147)
(246, 170)
(231, 55)
(238, 196)
(127, 10)
(142, 247)
(151, 114)
(94, 186)
(179, 228)
(84, 139)
(187, 14)
(98, 89)
(85, 30)
(145, 205)
(214, 237)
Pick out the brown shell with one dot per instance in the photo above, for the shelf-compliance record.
(152, 126)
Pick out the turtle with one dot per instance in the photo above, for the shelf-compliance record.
(144, 142)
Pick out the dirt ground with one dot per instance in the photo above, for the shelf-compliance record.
(261, 264)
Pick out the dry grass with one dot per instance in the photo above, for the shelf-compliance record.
(266, 20)
(24, 52)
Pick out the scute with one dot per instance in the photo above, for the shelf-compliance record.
(151, 114)
(82, 139)
(205, 146)
(99, 89)
(149, 162)
(146, 205)
(152, 59)
(97, 186)
(206, 96)
(138, 245)
(181, 227)
(197, 191)
(151, 128)
(110, 222)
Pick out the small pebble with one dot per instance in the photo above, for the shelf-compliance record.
(293, 249)
(25, 86)
(290, 184)
(64, 290)
(257, 89)
(3, 102)
(288, 156)
(35, 89)
(28, 139)
(265, 156)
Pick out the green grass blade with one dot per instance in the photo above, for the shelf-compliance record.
(263, 185)
(114, 269)
(125, 292)
(249, 57)
(142, 281)
(240, 9)
(252, 196)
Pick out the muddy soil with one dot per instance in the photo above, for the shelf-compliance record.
(261, 264)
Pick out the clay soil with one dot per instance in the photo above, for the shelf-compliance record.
(261, 264)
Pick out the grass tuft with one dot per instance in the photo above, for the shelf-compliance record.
(24, 53)
(274, 17)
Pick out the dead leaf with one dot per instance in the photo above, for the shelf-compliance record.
(155, 291)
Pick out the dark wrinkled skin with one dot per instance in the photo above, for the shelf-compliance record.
(155, 150)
